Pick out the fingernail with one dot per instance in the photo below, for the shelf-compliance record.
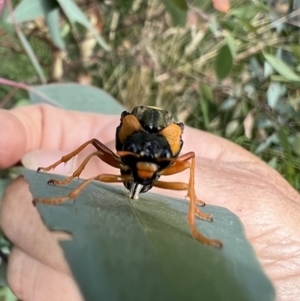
(41, 158)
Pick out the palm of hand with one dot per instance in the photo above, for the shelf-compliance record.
(226, 175)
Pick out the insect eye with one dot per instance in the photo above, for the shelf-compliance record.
(131, 148)
(165, 154)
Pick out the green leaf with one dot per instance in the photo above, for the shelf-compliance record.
(296, 145)
(7, 295)
(268, 70)
(296, 50)
(29, 10)
(181, 4)
(74, 14)
(273, 163)
(231, 43)
(3, 185)
(4, 21)
(33, 58)
(178, 15)
(264, 145)
(284, 142)
(214, 24)
(223, 63)
(255, 67)
(125, 249)
(246, 12)
(3, 269)
(231, 128)
(207, 92)
(274, 93)
(52, 19)
(282, 68)
(205, 97)
(203, 102)
(74, 96)
(284, 108)
(228, 104)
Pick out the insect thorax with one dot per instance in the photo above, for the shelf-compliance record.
(152, 119)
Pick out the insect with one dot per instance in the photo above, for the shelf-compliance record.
(148, 144)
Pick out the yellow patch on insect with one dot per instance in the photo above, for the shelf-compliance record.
(172, 133)
(130, 125)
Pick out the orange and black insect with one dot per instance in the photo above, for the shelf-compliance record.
(148, 144)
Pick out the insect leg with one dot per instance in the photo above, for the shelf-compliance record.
(180, 164)
(74, 193)
(193, 210)
(183, 186)
(76, 173)
(105, 154)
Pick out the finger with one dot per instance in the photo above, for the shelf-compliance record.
(44, 158)
(22, 224)
(42, 126)
(32, 280)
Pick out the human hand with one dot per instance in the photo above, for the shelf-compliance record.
(226, 175)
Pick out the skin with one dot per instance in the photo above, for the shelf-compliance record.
(226, 175)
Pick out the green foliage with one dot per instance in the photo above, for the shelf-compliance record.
(223, 62)
(7, 295)
(5, 245)
(76, 15)
(282, 68)
(177, 9)
(72, 97)
(52, 20)
(143, 250)
(28, 10)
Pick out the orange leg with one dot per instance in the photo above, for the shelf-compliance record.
(74, 193)
(76, 173)
(182, 164)
(104, 153)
